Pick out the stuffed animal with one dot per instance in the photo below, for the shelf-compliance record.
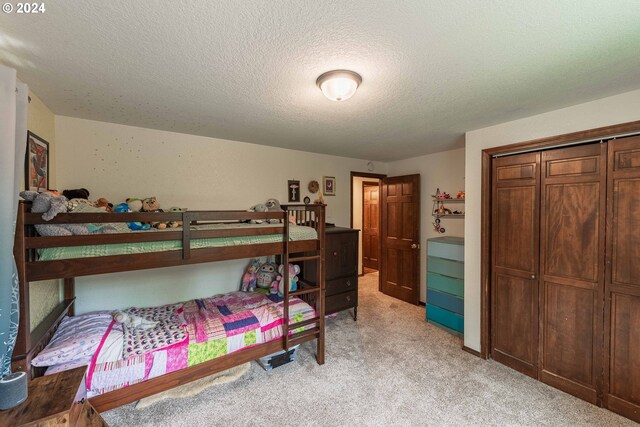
(135, 205)
(49, 204)
(135, 226)
(174, 224)
(293, 278)
(267, 273)
(250, 276)
(273, 205)
(79, 193)
(133, 321)
(104, 203)
(151, 204)
(319, 200)
(260, 207)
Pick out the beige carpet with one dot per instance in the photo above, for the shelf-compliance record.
(388, 368)
(193, 388)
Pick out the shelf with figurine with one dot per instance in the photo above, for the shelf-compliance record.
(441, 211)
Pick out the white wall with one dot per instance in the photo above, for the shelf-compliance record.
(603, 112)
(116, 162)
(440, 170)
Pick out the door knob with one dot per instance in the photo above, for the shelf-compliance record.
(414, 246)
(533, 276)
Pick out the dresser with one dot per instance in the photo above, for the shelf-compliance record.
(445, 283)
(58, 400)
(341, 270)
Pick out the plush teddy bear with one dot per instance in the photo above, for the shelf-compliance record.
(151, 204)
(273, 205)
(267, 273)
(50, 204)
(250, 276)
(78, 193)
(293, 279)
(104, 203)
(260, 207)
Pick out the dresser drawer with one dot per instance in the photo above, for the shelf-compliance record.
(445, 318)
(341, 255)
(446, 284)
(444, 249)
(446, 267)
(446, 301)
(344, 284)
(341, 302)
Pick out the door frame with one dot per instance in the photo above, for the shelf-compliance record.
(380, 178)
(379, 185)
(556, 141)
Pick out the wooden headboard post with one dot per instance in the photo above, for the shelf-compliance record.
(19, 253)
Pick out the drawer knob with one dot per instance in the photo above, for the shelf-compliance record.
(335, 253)
(348, 282)
(349, 299)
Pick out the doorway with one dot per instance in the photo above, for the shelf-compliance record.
(390, 231)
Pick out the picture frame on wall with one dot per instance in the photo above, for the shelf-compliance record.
(36, 168)
(329, 185)
(294, 191)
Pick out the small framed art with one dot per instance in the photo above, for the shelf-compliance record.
(36, 168)
(329, 185)
(294, 191)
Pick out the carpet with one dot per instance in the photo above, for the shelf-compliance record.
(389, 368)
(195, 387)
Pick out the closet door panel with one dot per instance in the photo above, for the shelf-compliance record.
(515, 259)
(572, 267)
(622, 287)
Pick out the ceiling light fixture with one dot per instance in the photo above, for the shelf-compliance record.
(339, 85)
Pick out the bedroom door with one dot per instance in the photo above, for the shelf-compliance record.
(400, 252)
(370, 225)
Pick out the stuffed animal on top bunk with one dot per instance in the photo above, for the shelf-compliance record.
(250, 276)
(50, 204)
(134, 226)
(278, 284)
(151, 204)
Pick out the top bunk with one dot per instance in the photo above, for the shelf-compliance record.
(204, 236)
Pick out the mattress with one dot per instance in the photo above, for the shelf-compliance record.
(212, 327)
(296, 233)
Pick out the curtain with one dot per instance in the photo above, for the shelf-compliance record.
(13, 142)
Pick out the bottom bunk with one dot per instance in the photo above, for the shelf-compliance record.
(141, 351)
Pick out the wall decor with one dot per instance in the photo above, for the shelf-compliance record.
(307, 200)
(36, 168)
(313, 186)
(329, 185)
(294, 191)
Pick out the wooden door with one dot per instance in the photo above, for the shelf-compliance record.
(573, 209)
(515, 261)
(400, 257)
(622, 279)
(370, 224)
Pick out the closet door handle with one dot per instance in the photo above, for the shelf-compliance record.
(533, 276)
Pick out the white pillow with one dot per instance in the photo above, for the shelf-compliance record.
(76, 339)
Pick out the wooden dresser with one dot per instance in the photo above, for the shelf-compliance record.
(55, 401)
(341, 270)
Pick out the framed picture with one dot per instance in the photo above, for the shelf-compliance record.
(36, 168)
(329, 185)
(294, 191)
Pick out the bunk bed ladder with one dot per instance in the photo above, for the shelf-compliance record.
(317, 255)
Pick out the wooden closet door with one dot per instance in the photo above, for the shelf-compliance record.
(515, 261)
(573, 209)
(622, 280)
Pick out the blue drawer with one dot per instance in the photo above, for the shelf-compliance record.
(446, 267)
(446, 284)
(446, 301)
(446, 247)
(445, 318)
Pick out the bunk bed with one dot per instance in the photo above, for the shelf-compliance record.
(205, 236)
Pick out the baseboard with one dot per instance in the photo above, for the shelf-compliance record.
(422, 304)
(472, 351)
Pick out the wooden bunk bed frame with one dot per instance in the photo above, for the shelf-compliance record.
(30, 343)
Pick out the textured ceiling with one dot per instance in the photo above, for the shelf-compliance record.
(246, 70)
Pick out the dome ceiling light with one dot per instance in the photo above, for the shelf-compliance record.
(339, 85)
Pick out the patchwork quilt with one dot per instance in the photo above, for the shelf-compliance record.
(194, 332)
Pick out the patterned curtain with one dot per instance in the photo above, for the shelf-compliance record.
(13, 142)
